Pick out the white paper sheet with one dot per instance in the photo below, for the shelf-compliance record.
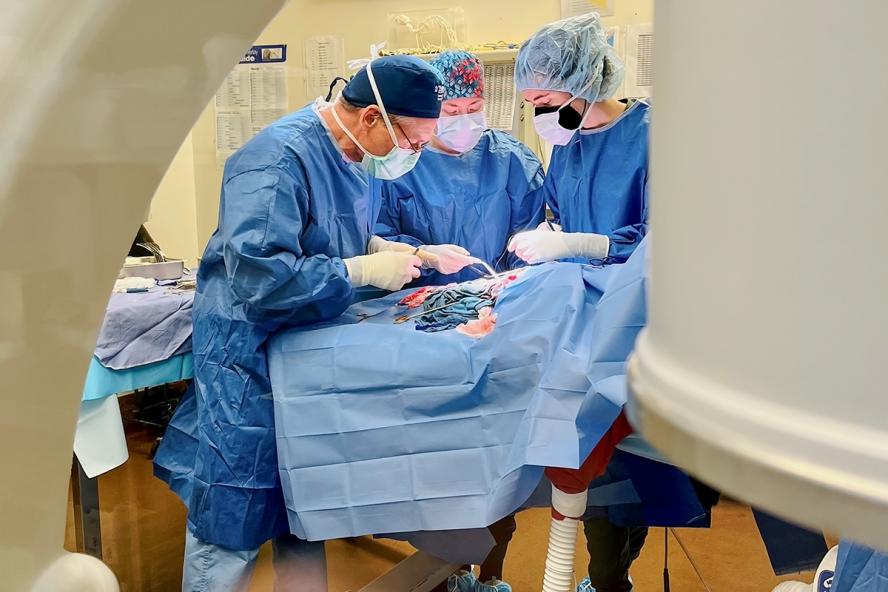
(571, 8)
(269, 95)
(99, 441)
(499, 95)
(252, 96)
(324, 57)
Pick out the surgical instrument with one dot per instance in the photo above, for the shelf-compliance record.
(404, 318)
(485, 265)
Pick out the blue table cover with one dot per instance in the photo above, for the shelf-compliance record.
(145, 328)
(103, 382)
(383, 429)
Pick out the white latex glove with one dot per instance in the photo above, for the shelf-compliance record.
(537, 246)
(448, 258)
(389, 270)
(545, 226)
(379, 244)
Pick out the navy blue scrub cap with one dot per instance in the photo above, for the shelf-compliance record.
(409, 87)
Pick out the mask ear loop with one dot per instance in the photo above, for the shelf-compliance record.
(345, 129)
(385, 117)
(587, 86)
(482, 119)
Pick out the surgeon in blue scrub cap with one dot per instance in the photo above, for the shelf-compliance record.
(473, 189)
(597, 188)
(290, 249)
(597, 181)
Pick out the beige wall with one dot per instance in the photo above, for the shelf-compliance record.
(360, 23)
(172, 220)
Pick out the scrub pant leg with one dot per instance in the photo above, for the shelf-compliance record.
(492, 568)
(612, 549)
(502, 532)
(299, 566)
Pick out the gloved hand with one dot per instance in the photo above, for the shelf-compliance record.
(389, 270)
(537, 246)
(447, 258)
(379, 244)
(553, 228)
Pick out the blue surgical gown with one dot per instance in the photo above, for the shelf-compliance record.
(477, 200)
(291, 210)
(598, 182)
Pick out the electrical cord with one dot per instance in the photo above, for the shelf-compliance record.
(690, 560)
(333, 85)
(666, 586)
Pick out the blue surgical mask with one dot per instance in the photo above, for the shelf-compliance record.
(399, 161)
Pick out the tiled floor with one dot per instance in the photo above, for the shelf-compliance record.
(143, 533)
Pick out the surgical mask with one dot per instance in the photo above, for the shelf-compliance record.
(399, 161)
(557, 125)
(568, 117)
(461, 133)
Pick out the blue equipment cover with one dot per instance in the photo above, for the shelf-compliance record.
(860, 569)
(383, 429)
(791, 548)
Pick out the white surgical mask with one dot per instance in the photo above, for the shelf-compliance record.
(461, 133)
(548, 126)
(399, 161)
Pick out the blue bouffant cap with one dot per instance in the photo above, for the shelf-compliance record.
(572, 56)
(409, 87)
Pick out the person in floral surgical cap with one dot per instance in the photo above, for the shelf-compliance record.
(472, 190)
